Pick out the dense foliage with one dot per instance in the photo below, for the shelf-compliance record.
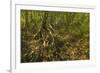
(54, 36)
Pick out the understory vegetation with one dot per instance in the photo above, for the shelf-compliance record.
(54, 36)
